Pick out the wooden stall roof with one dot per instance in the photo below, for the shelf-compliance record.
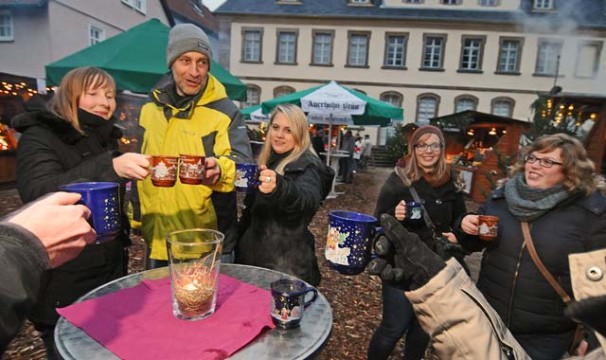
(469, 117)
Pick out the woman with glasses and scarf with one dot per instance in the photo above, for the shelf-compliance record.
(555, 189)
(424, 168)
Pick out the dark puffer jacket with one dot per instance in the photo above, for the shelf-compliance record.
(511, 282)
(52, 153)
(443, 203)
(274, 227)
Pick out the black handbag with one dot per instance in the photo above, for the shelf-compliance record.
(444, 248)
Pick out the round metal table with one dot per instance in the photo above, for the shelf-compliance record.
(301, 343)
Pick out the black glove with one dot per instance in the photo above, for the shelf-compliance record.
(402, 256)
(590, 311)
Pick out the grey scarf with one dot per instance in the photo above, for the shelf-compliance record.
(528, 204)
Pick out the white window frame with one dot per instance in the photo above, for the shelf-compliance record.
(251, 47)
(433, 50)
(425, 110)
(471, 53)
(92, 40)
(395, 50)
(357, 49)
(508, 55)
(286, 53)
(547, 56)
(139, 5)
(393, 98)
(497, 105)
(7, 30)
(543, 4)
(322, 47)
(465, 102)
(253, 95)
(488, 2)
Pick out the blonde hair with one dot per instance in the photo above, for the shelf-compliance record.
(299, 130)
(414, 171)
(74, 84)
(578, 168)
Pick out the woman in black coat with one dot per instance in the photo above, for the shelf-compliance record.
(555, 189)
(75, 140)
(426, 170)
(293, 183)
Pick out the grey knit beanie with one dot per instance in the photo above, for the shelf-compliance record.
(184, 38)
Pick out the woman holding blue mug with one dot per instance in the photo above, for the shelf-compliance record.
(74, 139)
(424, 168)
(293, 182)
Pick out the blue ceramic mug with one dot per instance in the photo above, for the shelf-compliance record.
(414, 212)
(288, 302)
(103, 200)
(246, 177)
(349, 241)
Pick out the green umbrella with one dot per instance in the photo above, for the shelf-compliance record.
(136, 59)
(334, 101)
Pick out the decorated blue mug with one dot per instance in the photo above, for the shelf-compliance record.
(349, 241)
(103, 200)
(246, 177)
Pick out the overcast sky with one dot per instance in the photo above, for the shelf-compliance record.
(212, 4)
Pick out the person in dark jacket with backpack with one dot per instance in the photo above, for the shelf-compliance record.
(555, 190)
(293, 183)
(75, 140)
(424, 169)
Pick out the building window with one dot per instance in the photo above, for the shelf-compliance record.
(510, 53)
(395, 50)
(465, 102)
(471, 54)
(392, 98)
(251, 45)
(322, 48)
(588, 59)
(450, 2)
(433, 51)
(287, 47)
(489, 2)
(412, 1)
(548, 57)
(358, 50)
(95, 35)
(543, 4)
(427, 108)
(6, 26)
(139, 5)
(283, 90)
(253, 95)
(359, 1)
(502, 107)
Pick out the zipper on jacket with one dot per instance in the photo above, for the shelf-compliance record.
(513, 285)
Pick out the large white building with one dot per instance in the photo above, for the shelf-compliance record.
(431, 57)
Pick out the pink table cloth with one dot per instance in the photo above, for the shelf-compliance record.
(138, 322)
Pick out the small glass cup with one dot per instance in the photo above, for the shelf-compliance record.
(194, 261)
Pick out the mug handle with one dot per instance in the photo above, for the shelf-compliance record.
(308, 290)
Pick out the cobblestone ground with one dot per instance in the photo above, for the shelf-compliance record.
(355, 300)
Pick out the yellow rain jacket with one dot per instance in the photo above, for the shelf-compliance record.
(211, 125)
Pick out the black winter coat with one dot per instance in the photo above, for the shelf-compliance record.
(274, 227)
(443, 203)
(511, 282)
(52, 153)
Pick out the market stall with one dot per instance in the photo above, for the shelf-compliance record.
(479, 146)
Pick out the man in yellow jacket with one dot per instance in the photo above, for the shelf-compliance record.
(189, 113)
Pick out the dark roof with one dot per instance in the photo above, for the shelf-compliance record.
(583, 13)
(23, 3)
(191, 11)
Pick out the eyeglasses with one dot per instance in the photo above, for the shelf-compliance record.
(546, 163)
(424, 147)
